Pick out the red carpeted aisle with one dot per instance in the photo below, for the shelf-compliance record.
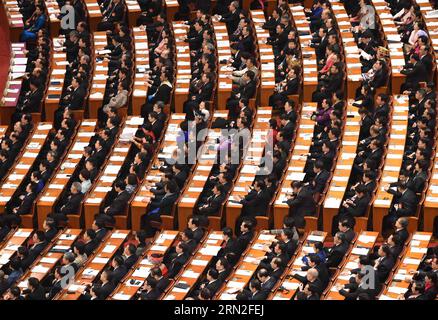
(5, 51)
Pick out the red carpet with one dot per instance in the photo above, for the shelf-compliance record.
(5, 50)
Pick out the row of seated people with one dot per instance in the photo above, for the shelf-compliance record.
(120, 70)
(143, 145)
(415, 165)
(160, 76)
(12, 144)
(286, 48)
(383, 258)
(78, 71)
(328, 48)
(203, 63)
(416, 44)
(35, 19)
(46, 162)
(256, 202)
(35, 79)
(271, 266)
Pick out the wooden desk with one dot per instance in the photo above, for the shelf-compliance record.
(53, 12)
(141, 201)
(393, 161)
(46, 262)
(196, 185)
(410, 260)
(172, 7)
(310, 70)
(13, 84)
(197, 267)
(246, 267)
(430, 209)
(134, 11)
(94, 14)
(183, 70)
(292, 284)
(431, 25)
(110, 171)
(250, 166)
(344, 166)
(362, 246)
(224, 53)
(94, 266)
(100, 75)
(140, 91)
(11, 13)
(135, 278)
(11, 244)
(395, 45)
(297, 162)
(57, 75)
(267, 66)
(24, 163)
(351, 51)
(61, 178)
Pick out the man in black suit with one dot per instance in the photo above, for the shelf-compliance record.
(118, 204)
(415, 73)
(245, 237)
(114, 12)
(214, 202)
(355, 206)
(176, 264)
(426, 59)
(211, 282)
(255, 291)
(150, 290)
(32, 100)
(98, 155)
(316, 263)
(99, 229)
(357, 287)
(301, 203)
(195, 225)
(346, 227)
(401, 231)
(162, 282)
(246, 91)
(103, 290)
(419, 177)
(160, 206)
(156, 125)
(231, 18)
(266, 280)
(90, 243)
(338, 251)
(5, 163)
(255, 203)
(311, 278)
(384, 263)
(195, 38)
(405, 204)
(72, 203)
(118, 269)
(56, 287)
(321, 176)
(39, 244)
(229, 244)
(24, 206)
(130, 256)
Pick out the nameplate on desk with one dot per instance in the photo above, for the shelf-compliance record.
(30, 155)
(188, 200)
(94, 200)
(112, 169)
(382, 202)
(48, 199)
(57, 186)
